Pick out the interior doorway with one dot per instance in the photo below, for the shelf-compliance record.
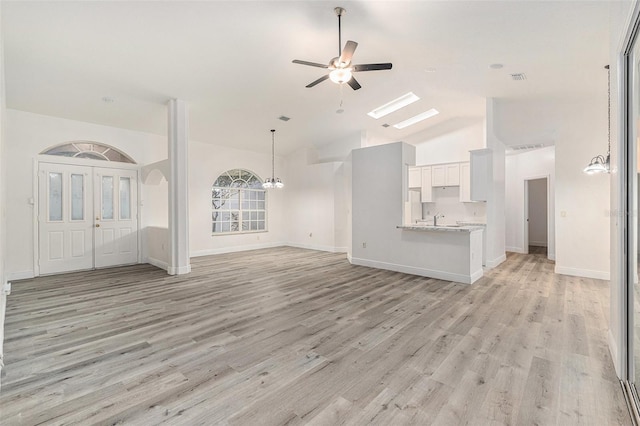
(87, 217)
(536, 210)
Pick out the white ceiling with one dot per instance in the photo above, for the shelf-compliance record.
(231, 62)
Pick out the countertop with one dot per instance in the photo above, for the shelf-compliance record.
(442, 228)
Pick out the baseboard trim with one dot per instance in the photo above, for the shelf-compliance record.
(319, 248)
(515, 250)
(613, 350)
(21, 275)
(586, 273)
(158, 263)
(430, 273)
(209, 252)
(538, 243)
(495, 262)
(179, 270)
(551, 256)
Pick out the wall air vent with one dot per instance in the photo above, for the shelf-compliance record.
(284, 118)
(518, 76)
(526, 147)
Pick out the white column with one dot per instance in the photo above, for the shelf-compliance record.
(178, 188)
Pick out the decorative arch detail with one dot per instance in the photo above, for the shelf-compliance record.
(89, 150)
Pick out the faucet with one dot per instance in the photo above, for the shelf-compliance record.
(435, 218)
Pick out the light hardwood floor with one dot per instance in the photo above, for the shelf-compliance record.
(292, 336)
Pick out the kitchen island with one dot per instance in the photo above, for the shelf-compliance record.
(452, 253)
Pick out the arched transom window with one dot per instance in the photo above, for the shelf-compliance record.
(90, 150)
(239, 203)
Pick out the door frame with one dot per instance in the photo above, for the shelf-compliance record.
(525, 212)
(34, 201)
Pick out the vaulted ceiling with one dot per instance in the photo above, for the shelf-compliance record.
(231, 62)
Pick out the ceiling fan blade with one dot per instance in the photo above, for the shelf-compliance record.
(320, 80)
(354, 84)
(372, 67)
(347, 52)
(311, 64)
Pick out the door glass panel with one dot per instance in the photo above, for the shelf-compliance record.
(77, 197)
(55, 197)
(125, 198)
(107, 197)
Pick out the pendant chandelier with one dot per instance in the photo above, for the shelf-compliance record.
(273, 182)
(600, 164)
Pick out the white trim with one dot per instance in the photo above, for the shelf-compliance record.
(56, 159)
(157, 263)
(20, 275)
(319, 248)
(551, 256)
(515, 250)
(495, 262)
(586, 273)
(430, 273)
(538, 243)
(613, 349)
(179, 270)
(210, 252)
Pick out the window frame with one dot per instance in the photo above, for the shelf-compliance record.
(236, 182)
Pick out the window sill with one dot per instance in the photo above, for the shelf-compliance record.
(215, 234)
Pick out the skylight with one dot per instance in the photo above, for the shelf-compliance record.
(416, 119)
(394, 105)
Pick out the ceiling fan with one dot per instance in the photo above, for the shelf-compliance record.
(340, 67)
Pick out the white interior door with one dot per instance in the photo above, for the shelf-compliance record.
(65, 218)
(116, 217)
(87, 217)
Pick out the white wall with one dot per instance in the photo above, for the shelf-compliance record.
(206, 163)
(579, 129)
(377, 209)
(452, 146)
(29, 134)
(446, 201)
(496, 214)
(519, 167)
(538, 212)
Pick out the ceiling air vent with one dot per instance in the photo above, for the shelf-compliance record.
(518, 76)
(385, 125)
(284, 118)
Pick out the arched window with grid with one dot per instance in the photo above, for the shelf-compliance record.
(239, 203)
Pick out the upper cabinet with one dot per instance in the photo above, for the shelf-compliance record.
(465, 182)
(415, 177)
(426, 190)
(445, 175)
(480, 173)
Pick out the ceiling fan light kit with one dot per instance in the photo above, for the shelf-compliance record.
(340, 68)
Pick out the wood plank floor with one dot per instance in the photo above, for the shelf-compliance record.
(293, 336)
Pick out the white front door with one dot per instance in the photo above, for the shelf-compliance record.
(116, 226)
(65, 218)
(87, 217)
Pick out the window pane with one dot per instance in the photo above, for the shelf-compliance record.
(107, 197)
(77, 197)
(245, 226)
(55, 196)
(246, 216)
(225, 227)
(125, 198)
(261, 226)
(260, 215)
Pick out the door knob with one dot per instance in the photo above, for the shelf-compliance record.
(97, 225)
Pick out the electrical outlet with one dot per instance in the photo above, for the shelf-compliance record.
(364, 245)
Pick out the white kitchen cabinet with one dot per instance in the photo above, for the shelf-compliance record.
(465, 182)
(415, 177)
(452, 174)
(426, 190)
(445, 175)
(481, 173)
